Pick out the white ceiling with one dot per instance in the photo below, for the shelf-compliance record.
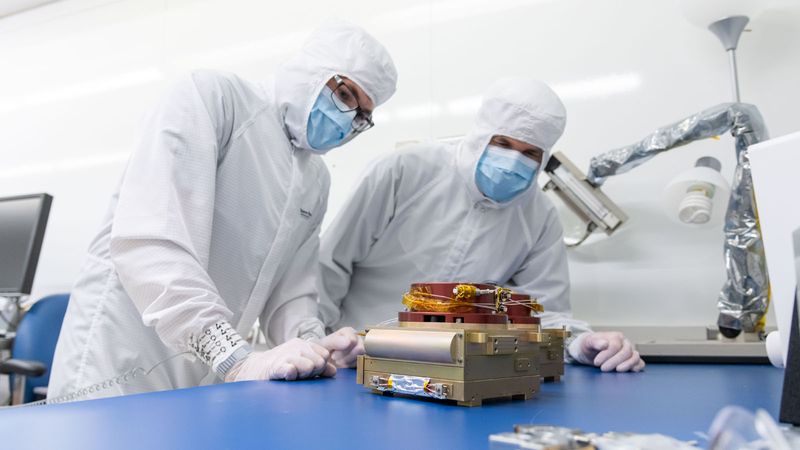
(9, 7)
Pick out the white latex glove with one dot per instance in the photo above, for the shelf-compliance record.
(345, 345)
(292, 360)
(608, 350)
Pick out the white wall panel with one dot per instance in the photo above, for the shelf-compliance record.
(77, 76)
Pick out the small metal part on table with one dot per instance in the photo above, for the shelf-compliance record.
(486, 345)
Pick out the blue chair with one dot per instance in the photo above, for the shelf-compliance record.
(33, 348)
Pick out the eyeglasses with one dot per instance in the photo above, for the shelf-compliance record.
(346, 101)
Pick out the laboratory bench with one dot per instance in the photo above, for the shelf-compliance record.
(677, 400)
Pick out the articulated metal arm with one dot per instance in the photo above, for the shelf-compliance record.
(743, 299)
(742, 119)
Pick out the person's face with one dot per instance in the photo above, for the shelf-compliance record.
(531, 151)
(353, 95)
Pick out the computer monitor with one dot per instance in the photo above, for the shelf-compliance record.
(790, 398)
(23, 220)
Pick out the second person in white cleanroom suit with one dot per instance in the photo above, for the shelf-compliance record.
(215, 224)
(463, 212)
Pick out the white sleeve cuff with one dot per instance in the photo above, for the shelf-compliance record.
(311, 328)
(219, 346)
(574, 353)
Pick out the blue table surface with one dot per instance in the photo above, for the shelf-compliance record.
(677, 400)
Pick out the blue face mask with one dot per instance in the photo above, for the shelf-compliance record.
(503, 174)
(327, 126)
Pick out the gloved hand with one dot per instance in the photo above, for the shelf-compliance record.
(345, 345)
(609, 350)
(292, 360)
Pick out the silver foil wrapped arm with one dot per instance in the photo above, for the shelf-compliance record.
(743, 299)
(708, 123)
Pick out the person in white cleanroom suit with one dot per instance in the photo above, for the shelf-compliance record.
(216, 224)
(463, 212)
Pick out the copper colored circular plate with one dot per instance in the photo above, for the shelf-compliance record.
(406, 316)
